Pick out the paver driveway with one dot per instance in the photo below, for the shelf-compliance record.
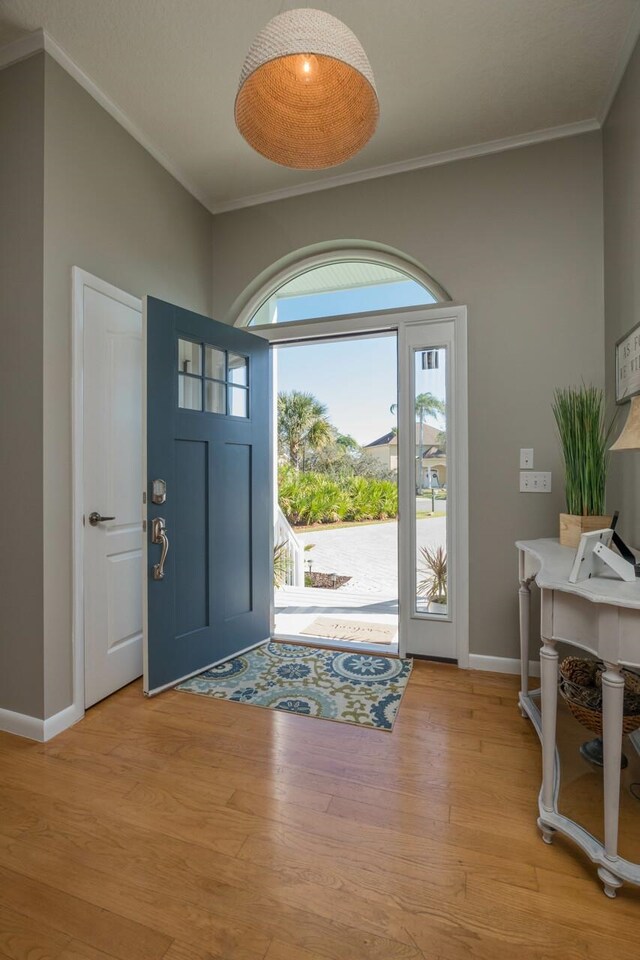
(367, 553)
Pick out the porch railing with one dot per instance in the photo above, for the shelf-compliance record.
(293, 548)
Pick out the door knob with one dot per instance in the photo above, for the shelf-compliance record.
(95, 518)
(159, 535)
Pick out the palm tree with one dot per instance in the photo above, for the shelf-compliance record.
(302, 424)
(427, 405)
(347, 442)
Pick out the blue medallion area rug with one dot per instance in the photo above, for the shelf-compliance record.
(334, 685)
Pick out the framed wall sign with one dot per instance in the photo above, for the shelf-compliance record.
(628, 365)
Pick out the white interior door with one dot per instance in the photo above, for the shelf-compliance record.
(112, 467)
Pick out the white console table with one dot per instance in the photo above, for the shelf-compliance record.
(601, 616)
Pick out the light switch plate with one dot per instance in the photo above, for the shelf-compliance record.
(532, 481)
(526, 458)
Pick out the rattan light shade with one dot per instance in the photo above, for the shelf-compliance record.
(307, 97)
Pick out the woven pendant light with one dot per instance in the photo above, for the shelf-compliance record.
(307, 97)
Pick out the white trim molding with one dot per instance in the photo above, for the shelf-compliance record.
(401, 321)
(40, 40)
(478, 661)
(22, 725)
(32, 728)
(22, 48)
(321, 254)
(416, 163)
(628, 46)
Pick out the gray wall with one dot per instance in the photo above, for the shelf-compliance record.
(111, 209)
(21, 259)
(100, 202)
(621, 152)
(517, 237)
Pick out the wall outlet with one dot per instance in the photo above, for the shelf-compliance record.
(526, 458)
(535, 482)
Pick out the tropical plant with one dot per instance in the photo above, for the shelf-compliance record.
(580, 417)
(427, 405)
(342, 456)
(348, 443)
(433, 585)
(308, 498)
(280, 563)
(302, 425)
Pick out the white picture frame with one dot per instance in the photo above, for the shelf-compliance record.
(628, 365)
(587, 564)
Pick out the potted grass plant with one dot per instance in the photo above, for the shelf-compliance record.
(433, 586)
(584, 436)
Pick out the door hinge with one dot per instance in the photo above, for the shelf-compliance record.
(144, 526)
(144, 496)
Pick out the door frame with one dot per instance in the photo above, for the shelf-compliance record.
(398, 322)
(80, 280)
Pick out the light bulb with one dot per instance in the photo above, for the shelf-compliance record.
(306, 67)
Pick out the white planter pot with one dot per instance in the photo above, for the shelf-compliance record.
(437, 607)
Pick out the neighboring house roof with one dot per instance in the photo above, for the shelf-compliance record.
(434, 453)
(429, 436)
(382, 441)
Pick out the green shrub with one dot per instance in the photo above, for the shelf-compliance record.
(307, 498)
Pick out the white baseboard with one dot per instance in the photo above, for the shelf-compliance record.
(501, 664)
(60, 721)
(22, 725)
(32, 728)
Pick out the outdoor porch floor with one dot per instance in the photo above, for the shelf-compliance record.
(297, 607)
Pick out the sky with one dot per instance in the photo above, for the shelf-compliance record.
(355, 379)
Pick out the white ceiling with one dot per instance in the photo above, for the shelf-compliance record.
(450, 74)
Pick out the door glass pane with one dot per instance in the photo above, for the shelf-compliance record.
(189, 357)
(238, 369)
(215, 365)
(215, 397)
(430, 371)
(238, 402)
(189, 392)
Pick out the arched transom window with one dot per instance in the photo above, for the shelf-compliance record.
(341, 288)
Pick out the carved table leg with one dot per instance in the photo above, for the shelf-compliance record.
(612, 713)
(549, 704)
(524, 603)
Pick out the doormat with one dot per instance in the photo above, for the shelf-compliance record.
(347, 687)
(361, 631)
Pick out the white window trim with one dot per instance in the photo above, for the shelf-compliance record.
(399, 321)
(280, 273)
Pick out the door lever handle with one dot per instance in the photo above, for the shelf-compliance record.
(95, 518)
(159, 535)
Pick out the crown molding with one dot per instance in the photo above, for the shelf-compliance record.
(21, 49)
(417, 163)
(628, 46)
(39, 41)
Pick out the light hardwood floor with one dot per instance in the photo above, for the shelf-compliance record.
(186, 828)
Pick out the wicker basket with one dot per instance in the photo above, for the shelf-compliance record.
(581, 688)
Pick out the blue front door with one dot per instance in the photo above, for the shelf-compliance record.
(209, 506)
